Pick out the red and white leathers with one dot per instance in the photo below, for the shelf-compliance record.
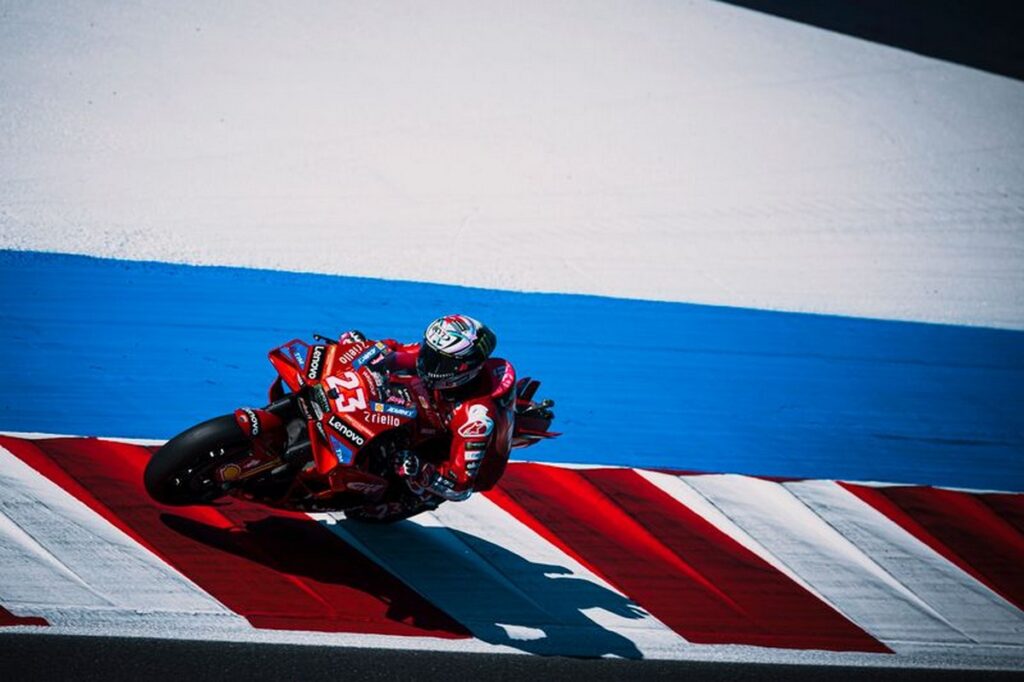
(479, 418)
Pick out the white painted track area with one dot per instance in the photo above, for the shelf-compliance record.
(686, 151)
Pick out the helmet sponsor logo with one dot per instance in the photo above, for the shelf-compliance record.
(479, 425)
(344, 429)
(453, 335)
(316, 363)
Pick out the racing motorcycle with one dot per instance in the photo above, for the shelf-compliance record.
(329, 437)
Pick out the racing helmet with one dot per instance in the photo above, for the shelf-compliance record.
(453, 350)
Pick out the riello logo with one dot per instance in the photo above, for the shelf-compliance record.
(351, 353)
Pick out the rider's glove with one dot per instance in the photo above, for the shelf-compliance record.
(352, 336)
(407, 464)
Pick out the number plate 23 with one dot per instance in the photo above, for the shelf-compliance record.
(350, 392)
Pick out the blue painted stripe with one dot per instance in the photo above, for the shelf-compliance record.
(107, 347)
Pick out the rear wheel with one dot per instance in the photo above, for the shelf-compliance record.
(181, 472)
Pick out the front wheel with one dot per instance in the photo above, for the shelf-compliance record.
(181, 472)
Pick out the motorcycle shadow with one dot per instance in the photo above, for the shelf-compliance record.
(502, 597)
(299, 547)
(499, 596)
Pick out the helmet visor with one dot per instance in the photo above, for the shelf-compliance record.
(441, 371)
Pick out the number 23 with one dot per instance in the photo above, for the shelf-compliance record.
(350, 393)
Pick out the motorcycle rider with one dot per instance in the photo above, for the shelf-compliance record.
(472, 393)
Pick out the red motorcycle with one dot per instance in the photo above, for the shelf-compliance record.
(329, 437)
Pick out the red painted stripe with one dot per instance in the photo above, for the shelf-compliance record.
(1009, 507)
(968, 530)
(8, 619)
(279, 570)
(674, 563)
(27, 452)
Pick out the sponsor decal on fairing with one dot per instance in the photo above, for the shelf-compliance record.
(254, 422)
(390, 408)
(298, 352)
(316, 363)
(342, 451)
(366, 487)
(383, 419)
(230, 472)
(370, 354)
(320, 397)
(346, 431)
(350, 354)
(479, 425)
(303, 407)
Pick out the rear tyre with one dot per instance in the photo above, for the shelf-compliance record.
(180, 472)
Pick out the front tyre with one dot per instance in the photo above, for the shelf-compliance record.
(181, 472)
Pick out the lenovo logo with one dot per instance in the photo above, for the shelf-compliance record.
(316, 362)
(343, 428)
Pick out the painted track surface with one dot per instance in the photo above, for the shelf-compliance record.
(791, 171)
(547, 147)
(103, 658)
(144, 349)
(557, 561)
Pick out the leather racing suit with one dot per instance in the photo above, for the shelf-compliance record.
(478, 418)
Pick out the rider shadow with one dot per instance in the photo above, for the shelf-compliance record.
(500, 596)
(302, 548)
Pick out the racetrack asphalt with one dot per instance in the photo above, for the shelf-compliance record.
(59, 657)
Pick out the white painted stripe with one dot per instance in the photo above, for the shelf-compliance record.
(61, 560)
(509, 585)
(837, 569)
(36, 435)
(962, 601)
(683, 493)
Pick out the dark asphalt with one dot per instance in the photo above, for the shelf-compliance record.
(56, 657)
(984, 34)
